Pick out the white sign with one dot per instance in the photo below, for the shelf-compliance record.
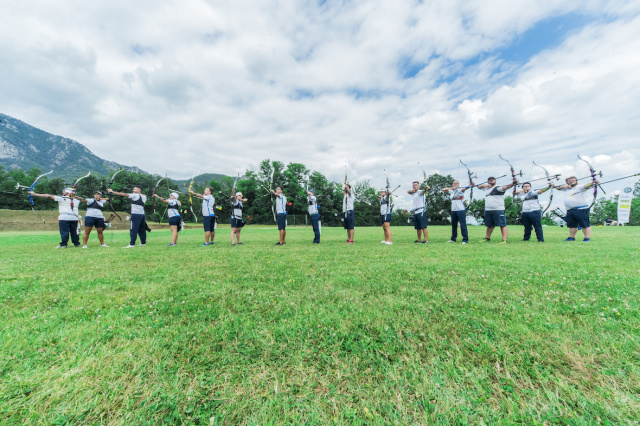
(624, 204)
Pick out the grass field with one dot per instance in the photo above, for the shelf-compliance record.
(525, 333)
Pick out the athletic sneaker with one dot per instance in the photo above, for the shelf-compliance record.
(349, 242)
(503, 242)
(425, 242)
(104, 245)
(85, 247)
(61, 246)
(417, 241)
(451, 241)
(464, 242)
(205, 244)
(170, 245)
(142, 245)
(485, 240)
(388, 243)
(129, 246)
(570, 239)
(586, 240)
(383, 242)
(277, 244)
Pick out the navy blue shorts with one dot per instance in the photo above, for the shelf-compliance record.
(420, 220)
(385, 218)
(236, 223)
(209, 223)
(494, 218)
(282, 220)
(578, 218)
(175, 221)
(350, 220)
(90, 222)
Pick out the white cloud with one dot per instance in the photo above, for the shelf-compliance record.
(219, 86)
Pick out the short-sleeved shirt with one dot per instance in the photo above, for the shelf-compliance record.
(530, 202)
(494, 198)
(419, 199)
(173, 208)
(313, 205)
(577, 201)
(136, 209)
(347, 201)
(92, 212)
(64, 208)
(208, 202)
(457, 203)
(385, 207)
(281, 204)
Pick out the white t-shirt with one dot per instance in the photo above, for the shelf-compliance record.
(385, 207)
(494, 198)
(173, 212)
(136, 209)
(347, 201)
(65, 210)
(281, 204)
(579, 200)
(530, 202)
(313, 205)
(95, 212)
(208, 202)
(457, 203)
(418, 201)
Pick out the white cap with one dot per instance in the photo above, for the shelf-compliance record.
(239, 193)
(174, 195)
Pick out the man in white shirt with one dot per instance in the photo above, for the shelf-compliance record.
(94, 217)
(420, 212)
(578, 207)
(138, 223)
(312, 201)
(458, 212)
(209, 218)
(494, 208)
(531, 216)
(68, 218)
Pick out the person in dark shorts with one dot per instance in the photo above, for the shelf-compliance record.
(420, 211)
(236, 217)
(281, 214)
(494, 208)
(209, 219)
(531, 216)
(578, 209)
(347, 210)
(94, 218)
(173, 212)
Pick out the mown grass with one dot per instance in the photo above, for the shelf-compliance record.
(366, 334)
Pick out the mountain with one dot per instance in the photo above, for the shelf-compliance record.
(24, 147)
(200, 180)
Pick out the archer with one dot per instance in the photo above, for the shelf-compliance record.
(531, 215)
(209, 218)
(577, 207)
(458, 211)
(69, 215)
(494, 208)
(173, 211)
(420, 211)
(138, 219)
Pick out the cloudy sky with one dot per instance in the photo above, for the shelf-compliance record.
(218, 86)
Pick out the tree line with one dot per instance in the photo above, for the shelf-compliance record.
(294, 178)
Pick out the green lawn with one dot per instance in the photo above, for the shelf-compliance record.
(524, 333)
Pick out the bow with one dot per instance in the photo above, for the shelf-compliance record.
(75, 185)
(191, 198)
(155, 188)
(273, 209)
(593, 180)
(109, 194)
(470, 174)
(33, 185)
(549, 178)
(513, 176)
